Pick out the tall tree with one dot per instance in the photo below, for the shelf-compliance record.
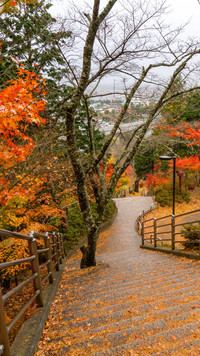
(144, 160)
(143, 46)
(142, 39)
(30, 35)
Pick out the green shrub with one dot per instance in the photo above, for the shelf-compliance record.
(109, 211)
(191, 233)
(76, 228)
(164, 194)
(191, 182)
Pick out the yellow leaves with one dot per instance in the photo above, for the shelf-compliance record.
(12, 249)
(173, 337)
(8, 320)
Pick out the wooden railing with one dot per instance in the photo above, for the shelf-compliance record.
(124, 192)
(54, 253)
(167, 230)
(130, 190)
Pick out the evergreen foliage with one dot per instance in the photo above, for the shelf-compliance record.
(144, 161)
(191, 233)
(164, 194)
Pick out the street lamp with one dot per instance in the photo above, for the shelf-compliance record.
(168, 158)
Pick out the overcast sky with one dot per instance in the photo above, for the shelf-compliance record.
(181, 11)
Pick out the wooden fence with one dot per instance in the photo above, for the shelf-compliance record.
(53, 254)
(124, 192)
(130, 191)
(167, 233)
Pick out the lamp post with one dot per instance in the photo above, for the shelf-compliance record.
(168, 158)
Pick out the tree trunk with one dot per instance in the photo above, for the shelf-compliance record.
(88, 258)
(136, 189)
(92, 227)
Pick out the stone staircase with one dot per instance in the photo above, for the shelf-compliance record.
(135, 302)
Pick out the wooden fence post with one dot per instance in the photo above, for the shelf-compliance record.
(4, 338)
(56, 251)
(155, 232)
(36, 269)
(58, 241)
(62, 246)
(49, 256)
(173, 232)
(142, 233)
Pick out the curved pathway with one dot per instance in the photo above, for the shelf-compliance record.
(135, 302)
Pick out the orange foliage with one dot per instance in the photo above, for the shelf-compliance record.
(186, 131)
(124, 179)
(192, 163)
(27, 204)
(19, 108)
(10, 250)
(155, 180)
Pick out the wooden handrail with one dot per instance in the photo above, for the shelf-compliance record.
(19, 287)
(17, 262)
(7, 233)
(58, 253)
(171, 232)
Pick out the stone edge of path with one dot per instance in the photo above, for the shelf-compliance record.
(29, 335)
(191, 256)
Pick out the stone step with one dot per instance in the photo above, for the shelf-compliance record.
(122, 319)
(151, 345)
(114, 292)
(143, 303)
(143, 297)
(186, 349)
(119, 273)
(117, 334)
(123, 284)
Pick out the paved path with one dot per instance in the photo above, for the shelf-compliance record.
(135, 302)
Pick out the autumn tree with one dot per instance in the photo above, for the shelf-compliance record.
(144, 161)
(31, 37)
(144, 44)
(21, 103)
(30, 197)
(184, 108)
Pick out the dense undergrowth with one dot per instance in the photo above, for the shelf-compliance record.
(164, 194)
(76, 228)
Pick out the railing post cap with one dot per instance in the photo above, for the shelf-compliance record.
(1, 349)
(47, 235)
(31, 234)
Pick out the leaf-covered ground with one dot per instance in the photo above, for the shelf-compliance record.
(135, 302)
(15, 303)
(182, 208)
